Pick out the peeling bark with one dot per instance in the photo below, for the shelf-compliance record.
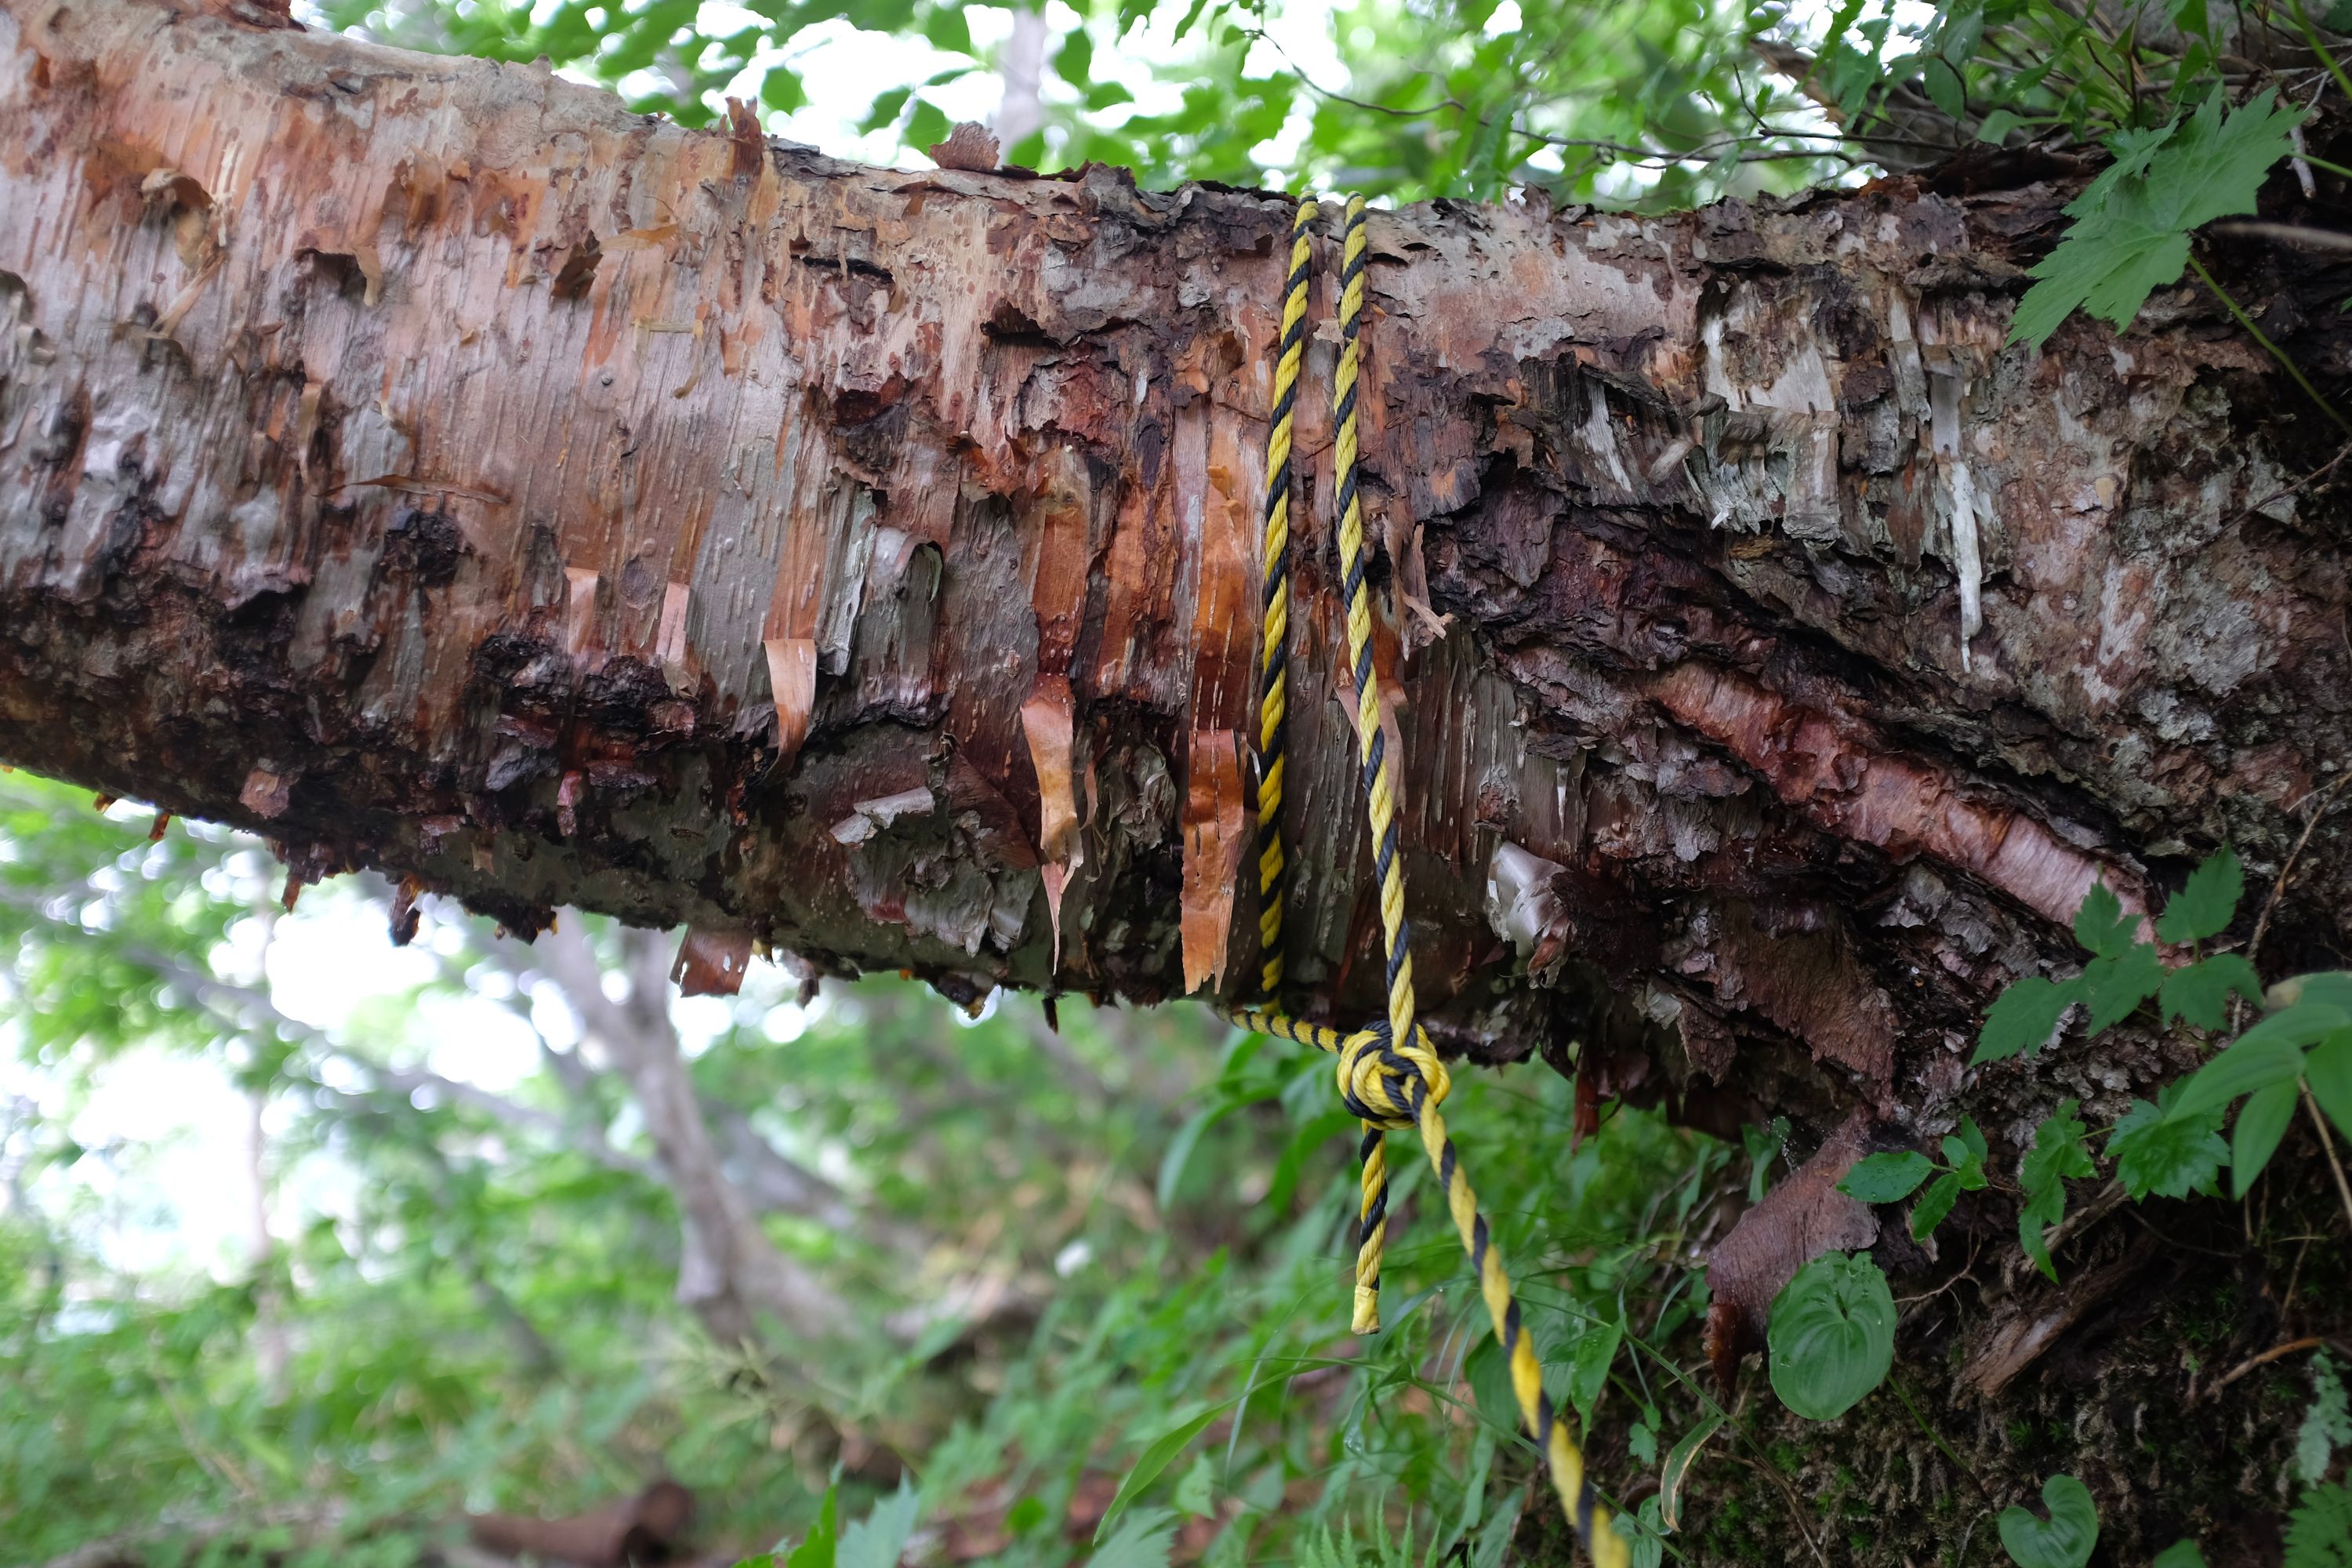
(433, 467)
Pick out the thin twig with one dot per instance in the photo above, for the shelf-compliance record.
(2280, 495)
(2288, 234)
(2328, 1143)
(2275, 352)
(1937, 1438)
(2286, 871)
(2308, 1342)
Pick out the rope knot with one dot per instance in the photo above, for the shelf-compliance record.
(1385, 1087)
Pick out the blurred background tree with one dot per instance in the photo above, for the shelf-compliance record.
(315, 1246)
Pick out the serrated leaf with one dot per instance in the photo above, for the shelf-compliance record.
(816, 1550)
(2024, 1016)
(880, 1538)
(2170, 1158)
(1887, 1178)
(2102, 926)
(1831, 1332)
(2201, 992)
(2261, 1122)
(2114, 985)
(2057, 1153)
(2132, 224)
(2320, 1530)
(2207, 902)
(1934, 1206)
(2065, 1539)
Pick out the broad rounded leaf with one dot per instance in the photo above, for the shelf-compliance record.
(1887, 1178)
(2065, 1539)
(2181, 1553)
(1831, 1335)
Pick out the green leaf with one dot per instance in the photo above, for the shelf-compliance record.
(818, 1548)
(1588, 1371)
(780, 89)
(1998, 125)
(1677, 1468)
(2065, 1539)
(1932, 1208)
(1074, 62)
(1195, 1491)
(2326, 1422)
(2328, 1071)
(2262, 1121)
(2270, 1052)
(1944, 88)
(2206, 904)
(2102, 926)
(885, 109)
(2167, 1156)
(880, 1538)
(1831, 1332)
(2024, 1016)
(2057, 1153)
(2319, 1531)
(1964, 1147)
(1887, 1178)
(2181, 1553)
(1154, 1459)
(2201, 992)
(1141, 1542)
(2115, 984)
(2330, 987)
(2130, 236)
(1762, 1144)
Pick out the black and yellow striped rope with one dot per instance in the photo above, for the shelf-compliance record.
(1272, 651)
(1387, 1086)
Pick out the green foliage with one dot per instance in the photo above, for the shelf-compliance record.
(2057, 1154)
(1831, 1332)
(490, 1321)
(2327, 1424)
(2065, 1539)
(2320, 1530)
(2167, 1156)
(1891, 1177)
(2125, 971)
(2183, 1553)
(2130, 236)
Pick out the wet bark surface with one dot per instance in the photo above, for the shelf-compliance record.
(432, 466)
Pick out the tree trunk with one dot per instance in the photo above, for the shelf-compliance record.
(432, 466)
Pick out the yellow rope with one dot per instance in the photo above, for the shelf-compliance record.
(1386, 1086)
